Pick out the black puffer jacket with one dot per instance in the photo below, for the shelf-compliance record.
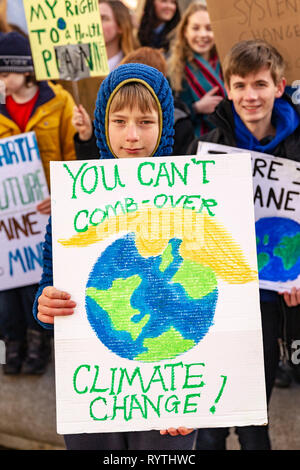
(183, 127)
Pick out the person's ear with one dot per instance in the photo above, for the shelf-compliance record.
(280, 87)
(227, 88)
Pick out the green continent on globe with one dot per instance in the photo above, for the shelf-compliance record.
(166, 258)
(262, 260)
(166, 346)
(266, 239)
(288, 250)
(196, 279)
(116, 302)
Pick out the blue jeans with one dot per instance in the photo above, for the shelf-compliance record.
(16, 312)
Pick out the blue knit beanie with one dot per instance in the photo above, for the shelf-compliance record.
(15, 53)
(156, 83)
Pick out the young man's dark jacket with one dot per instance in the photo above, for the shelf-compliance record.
(224, 134)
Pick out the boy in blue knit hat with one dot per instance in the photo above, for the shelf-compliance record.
(133, 119)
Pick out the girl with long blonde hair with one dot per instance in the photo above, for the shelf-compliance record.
(194, 69)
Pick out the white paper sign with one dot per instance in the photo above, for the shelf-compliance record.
(22, 228)
(160, 256)
(276, 184)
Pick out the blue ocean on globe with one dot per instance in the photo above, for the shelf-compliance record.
(278, 249)
(149, 308)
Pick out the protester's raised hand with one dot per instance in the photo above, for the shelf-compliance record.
(292, 299)
(182, 431)
(208, 103)
(53, 302)
(82, 122)
(44, 207)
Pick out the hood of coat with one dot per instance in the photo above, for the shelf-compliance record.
(156, 83)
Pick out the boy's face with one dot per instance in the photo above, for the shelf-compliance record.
(14, 82)
(253, 96)
(133, 133)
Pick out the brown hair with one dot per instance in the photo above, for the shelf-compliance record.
(148, 56)
(249, 57)
(30, 80)
(133, 94)
(123, 19)
(180, 50)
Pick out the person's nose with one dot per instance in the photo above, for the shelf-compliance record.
(202, 32)
(132, 133)
(250, 94)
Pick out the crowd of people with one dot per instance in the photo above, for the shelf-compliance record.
(242, 103)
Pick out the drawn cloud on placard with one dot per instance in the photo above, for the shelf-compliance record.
(152, 293)
(278, 249)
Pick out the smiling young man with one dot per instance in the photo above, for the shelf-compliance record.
(253, 97)
(258, 116)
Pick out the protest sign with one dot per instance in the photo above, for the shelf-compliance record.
(275, 21)
(66, 39)
(161, 262)
(22, 228)
(276, 189)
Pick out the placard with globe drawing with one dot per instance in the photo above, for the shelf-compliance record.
(276, 194)
(160, 256)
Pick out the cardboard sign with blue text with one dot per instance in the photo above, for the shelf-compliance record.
(22, 228)
(277, 216)
(159, 255)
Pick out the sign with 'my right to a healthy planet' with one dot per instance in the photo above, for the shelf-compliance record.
(160, 258)
(66, 39)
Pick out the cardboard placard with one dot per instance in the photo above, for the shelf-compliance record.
(22, 228)
(159, 259)
(66, 39)
(276, 186)
(275, 21)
